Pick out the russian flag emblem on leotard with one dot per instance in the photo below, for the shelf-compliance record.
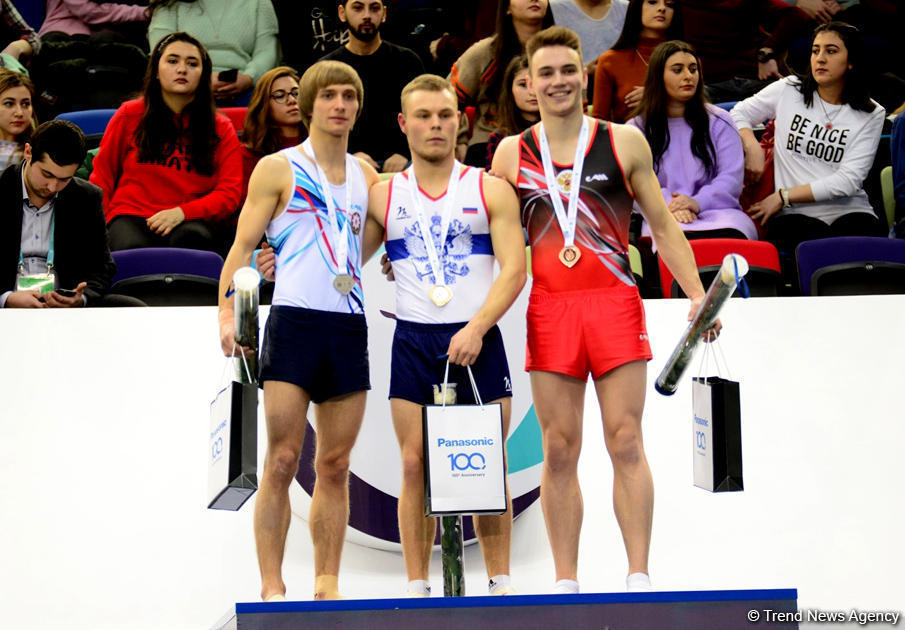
(470, 210)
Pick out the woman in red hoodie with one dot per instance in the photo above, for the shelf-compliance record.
(169, 166)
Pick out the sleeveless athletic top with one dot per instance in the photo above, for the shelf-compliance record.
(302, 239)
(604, 213)
(467, 255)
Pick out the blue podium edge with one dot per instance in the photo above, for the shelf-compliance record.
(486, 601)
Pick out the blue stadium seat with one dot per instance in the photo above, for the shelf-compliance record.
(851, 265)
(168, 276)
(90, 121)
(152, 260)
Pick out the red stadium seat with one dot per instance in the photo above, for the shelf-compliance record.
(764, 277)
(236, 116)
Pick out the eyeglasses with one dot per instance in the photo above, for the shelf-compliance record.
(280, 95)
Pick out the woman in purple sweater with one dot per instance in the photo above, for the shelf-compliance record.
(696, 148)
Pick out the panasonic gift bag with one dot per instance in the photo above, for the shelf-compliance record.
(233, 455)
(717, 434)
(464, 467)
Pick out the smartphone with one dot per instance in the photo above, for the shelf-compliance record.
(66, 292)
(228, 76)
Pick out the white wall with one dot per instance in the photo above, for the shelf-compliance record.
(103, 445)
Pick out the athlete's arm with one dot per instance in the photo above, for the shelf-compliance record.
(509, 250)
(374, 223)
(634, 155)
(505, 160)
(265, 189)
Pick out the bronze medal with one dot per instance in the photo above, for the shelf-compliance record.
(569, 255)
(343, 283)
(440, 294)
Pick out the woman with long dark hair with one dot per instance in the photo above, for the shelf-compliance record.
(241, 36)
(273, 121)
(17, 115)
(827, 132)
(517, 108)
(169, 165)
(619, 77)
(477, 75)
(696, 149)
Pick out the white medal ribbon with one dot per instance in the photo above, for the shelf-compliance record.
(434, 249)
(340, 238)
(567, 219)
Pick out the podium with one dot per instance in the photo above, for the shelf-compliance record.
(726, 610)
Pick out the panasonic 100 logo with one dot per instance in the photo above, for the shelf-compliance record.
(465, 461)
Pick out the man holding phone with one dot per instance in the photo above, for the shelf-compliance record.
(53, 240)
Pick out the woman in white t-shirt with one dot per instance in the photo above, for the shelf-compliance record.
(827, 132)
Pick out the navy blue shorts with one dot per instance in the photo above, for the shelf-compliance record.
(416, 364)
(324, 353)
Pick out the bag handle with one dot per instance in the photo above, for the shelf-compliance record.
(705, 356)
(226, 365)
(474, 387)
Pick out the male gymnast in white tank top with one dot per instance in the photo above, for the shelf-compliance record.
(445, 225)
(311, 201)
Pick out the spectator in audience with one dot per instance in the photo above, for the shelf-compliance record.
(732, 41)
(597, 22)
(385, 69)
(827, 132)
(241, 36)
(17, 117)
(84, 17)
(464, 23)
(52, 235)
(881, 23)
(517, 109)
(18, 39)
(477, 75)
(273, 121)
(86, 60)
(170, 167)
(309, 29)
(619, 75)
(697, 151)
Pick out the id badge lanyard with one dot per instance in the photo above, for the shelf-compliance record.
(50, 254)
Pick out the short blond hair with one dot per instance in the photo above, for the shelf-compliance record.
(553, 36)
(427, 82)
(323, 74)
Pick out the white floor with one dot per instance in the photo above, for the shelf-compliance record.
(102, 472)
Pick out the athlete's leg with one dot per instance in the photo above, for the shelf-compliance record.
(285, 406)
(338, 422)
(495, 532)
(559, 403)
(620, 393)
(416, 531)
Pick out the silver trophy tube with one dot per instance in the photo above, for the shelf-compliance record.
(721, 289)
(245, 306)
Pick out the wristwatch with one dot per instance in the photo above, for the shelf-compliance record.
(784, 195)
(765, 54)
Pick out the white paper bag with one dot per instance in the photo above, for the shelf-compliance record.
(464, 467)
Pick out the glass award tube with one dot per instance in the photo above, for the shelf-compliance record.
(721, 289)
(452, 542)
(245, 307)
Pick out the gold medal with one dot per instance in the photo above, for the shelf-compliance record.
(569, 255)
(440, 294)
(343, 283)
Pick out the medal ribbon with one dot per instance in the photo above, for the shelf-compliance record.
(340, 238)
(567, 219)
(434, 250)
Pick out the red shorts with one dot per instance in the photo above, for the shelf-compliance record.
(577, 332)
